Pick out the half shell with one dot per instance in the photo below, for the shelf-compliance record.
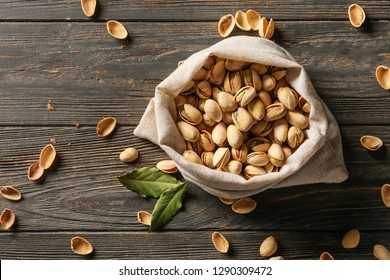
(35, 171)
(226, 25)
(266, 29)
(268, 247)
(116, 29)
(351, 239)
(381, 252)
(242, 21)
(383, 76)
(370, 142)
(7, 218)
(253, 19)
(81, 246)
(227, 201)
(11, 193)
(244, 205)
(326, 256)
(220, 242)
(356, 15)
(89, 7)
(144, 218)
(47, 156)
(167, 166)
(105, 126)
(385, 192)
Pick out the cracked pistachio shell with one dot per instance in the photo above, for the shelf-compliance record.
(260, 69)
(192, 99)
(295, 137)
(220, 242)
(251, 171)
(262, 128)
(256, 109)
(116, 29)
(287, 151)
(234, 65)
(233, 166)
(193, 157)
(47, 156)
(226, 102)
(81, 246)
(189, 88)
(297, 119)
(370, 142)
(279, 84)
(194, 146)
(268, 82)
(190, 115)
(7, 219)
(206, 141)
(240, 154)
(276, 258)
(265, 98)
(242, 119)
(167, 166)
(288, 97)
(35, 171)
(251, 78)
(11, 193)
(244, 205)
(242, 21)
(208, 121)
(212, 110)
(106, 126)
(277, 72)
(221, 157)
(382, 74)
(232, 82)
(245, 95)
(207, 158)
(269, 167)
(268, 247)
(227, 201)
(201, 103)
(234, 136)
(200, 75)
(226, 25)
(180, 100)
(257, 159)
(128, 155)
(385, 193)
(210, 61)
(351, 239)
(144, 217)
(356, 15)
(253, 19)
(266, 29)
(275, 111)
(227, 118)
(204, 90)
(326, 256)
(219, 134)
(304, 105)
(276, 155)
(280, 130)
(217, 73)
(259, 144)
(190, 133)
(381, 252)
(88, 7)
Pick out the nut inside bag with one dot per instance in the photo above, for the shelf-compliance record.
(241, 117)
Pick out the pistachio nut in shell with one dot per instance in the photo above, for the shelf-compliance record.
(194, 146)
(295, 137)
(262, 128)
(210, 61)
(287, 151)
(260, 69)
(356, 15)
(240, 154)
(351, 239)
(276, 155)
(200, 75)
(189, 88)
(234, 65)
(226, 102)
(233, 166)
(275, 111)
(297, 119)
(81, 246)
(259, 144)
(190, 114)
(288, 97)
(88, 7)
(105, 126)
(326, 256)
(279, 84)
(144, 217)
(180, 100)
(304, 105)
(381, 252)
(207, 158)
(204, 90)
(257, 159)
(192, 99)
(167, 166)
(269, 167)
(47, 156)
(244, 205)
(278, 73)
(206, 141)
(227, 118)
(268, 247)
(208, 121)
(245, 95)
(385, 193)
(190, 133)
(128, 155)
(7, 219)
(227, 201)
(193, 157)
(232, 82)
(242, 21)
(266, 29)
(256, 109)
(219, 134)
(35, 171)
(212, 110)
(251, 78)
(226, 25)
(280, 130)
(251, 171)
(383, 76)
(220, 242)
(242, 119)
(11, 193)
(268, 82)
(217, 73)
(370, 142)
(234, 136)
(253, 19)
(221, 157)
(116, 29)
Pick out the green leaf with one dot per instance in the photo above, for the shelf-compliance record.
(167, 206)
(148, 182)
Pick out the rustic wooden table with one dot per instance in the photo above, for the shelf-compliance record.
(49, 51)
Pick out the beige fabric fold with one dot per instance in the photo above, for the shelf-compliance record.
(318, 159)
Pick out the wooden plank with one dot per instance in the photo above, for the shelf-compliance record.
(82, 192)
(174, 10)
(88, 75)
(297, 245)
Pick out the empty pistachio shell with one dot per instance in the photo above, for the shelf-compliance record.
(212, 110)
(325, 256)
(385, 192)
(47, 156)
(220, 242)
(266, 29)
(383, 76)
(35, 171)
(193, 157)
(89, 7)
(105, 126)
(116, 29)
(81, 246)
(277, 258)
(381, 252)
(370, 142)
(244, 205)
(226, 25)
(268, 247)
(253, 19)
(7, 218)
(351, 239)
(129, 155)
(242, 21)
(227, 201)
(11, 193)
(356, 15)
(144, 217)
(167, 166)
(190, 133)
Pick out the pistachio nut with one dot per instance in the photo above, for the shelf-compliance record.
(268, 247)
(280, 130)
(245, 95)
(128, 155)
(235, 137)
(381, 252)
(256, 109)
(226, 102)
(259, 144)
(277, 72)
(382, 74)
(227, 201)
(219, 134)
(260, 69)
(212, 110)
(279, 84)
(116, 29)
(275, 111)
(253, 19)
(221, 157)
(206, 141)
(194, 146)
(220, 242)
(232, 82)
(240, 154)
(370, 142)
(287, 151)
(227, 118)
(244, 205)
(266, 29)
(268, 82)
(11, 193)
(233, 166)
(304, 105)
(144, 217)
(35, 171)
(234, 65)
(7, 219)
(204, 90)
(288, 97)
(217, 73)
(208, 121)
(242, 119)
(385, 193)
(189, 88)
(207, 158)
(251, 171)
(193, 157)
(192, 99)
(356, 15)
(210, 61)
(295, 137)
(81, 246)
(190, 133)
(226, 25)
(180, 100)
(167, 166)
(251, 78)
(190, 114)
(200, 75)
(262, 128)
(257, 159)
(88, 7)
(106, 126)
(216, 91)
(326, 256)
(297, 119)
(269, 167)
(276, 155)
(242, 21)
(351, 239)
(201, 103)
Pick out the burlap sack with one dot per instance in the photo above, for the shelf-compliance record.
(318, 159)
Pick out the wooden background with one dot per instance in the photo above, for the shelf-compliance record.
(50, 51)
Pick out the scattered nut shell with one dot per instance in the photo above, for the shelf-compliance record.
(167, 166)
(116, 29)
(253, 19)
(325, 256)
(385, 192)
(35, 171)
(11, 193)
(144, 217)
(47, 156)
(129, 155)
(268, 247)
(382, 74)
(356, 15)
(220, 242)
(89, 7)
(370, 142)
(381, 252)
(227, 201)
(81, 246)
(105, 126)
(242, 21)
(351, 239)
(226, 25)
(244, 205)
(7, 218)
(266, 29)
(277, 258)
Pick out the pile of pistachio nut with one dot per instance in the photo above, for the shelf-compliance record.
(240, 117)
